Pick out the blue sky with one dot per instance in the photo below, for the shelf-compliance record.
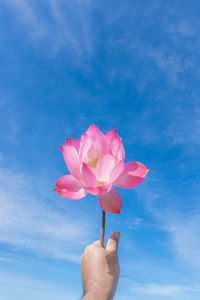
(130, 65)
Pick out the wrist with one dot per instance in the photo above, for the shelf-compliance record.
(97, 293)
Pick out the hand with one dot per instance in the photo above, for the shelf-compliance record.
(100, 269)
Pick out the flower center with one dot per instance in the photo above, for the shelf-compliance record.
(93, 163)
(102, 183)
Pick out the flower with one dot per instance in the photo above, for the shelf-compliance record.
(96, 163)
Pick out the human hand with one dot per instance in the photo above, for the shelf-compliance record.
(100, 269)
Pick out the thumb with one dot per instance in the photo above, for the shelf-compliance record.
(113, 241)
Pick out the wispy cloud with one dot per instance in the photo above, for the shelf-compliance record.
(177, 212)
(31, 223)
(70, 26)
(5, 259)
(25, 13)
(164, 290)
(185, 233)
(64, 26)
(184, 130)
(133, 223)
(33, 288)
(1, 158)
(184, 28)
(167, 61)
(73, 29)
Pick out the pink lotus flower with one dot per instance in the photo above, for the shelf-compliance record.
(96, 163)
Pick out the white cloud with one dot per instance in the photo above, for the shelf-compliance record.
(65, 25)
(185, 233)
(1, 158)
(168, 61)
(73, 30)
(185, 128)
(133, 223)
(183, 28)
(164, 290)
(175, 207)
(36, 226)
(5, 259)
(25, 13)
(25, 287)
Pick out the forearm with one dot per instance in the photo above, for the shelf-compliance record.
(96, 295)
(103, 289)
(100, 269)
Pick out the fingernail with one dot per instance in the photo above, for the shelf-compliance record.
(116, 235)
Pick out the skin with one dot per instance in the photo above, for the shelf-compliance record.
(100, 269)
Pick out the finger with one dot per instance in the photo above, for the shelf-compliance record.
(113, 241)
(97, 243)
(91, 247)
(82, 258)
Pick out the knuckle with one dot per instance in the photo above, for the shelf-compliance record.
(88, 248)
(96, 243)
(82, 258)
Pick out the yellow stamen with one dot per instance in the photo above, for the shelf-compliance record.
(102, 183)
(93, 163)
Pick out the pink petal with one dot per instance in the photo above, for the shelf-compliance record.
(88, 175)
(99, 190)
(110, 136)
(134, 173)
(73, 142)
(116, 171)
(111, 201)
(92, 152)
(68, 182)
(121, 152)
(95, 133)
(69, 187)
(105, 146)
(97, 137)
(85, 145)
(104, 167)
(115, 147)
(72, 160)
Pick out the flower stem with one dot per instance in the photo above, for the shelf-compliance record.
(103, 228)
